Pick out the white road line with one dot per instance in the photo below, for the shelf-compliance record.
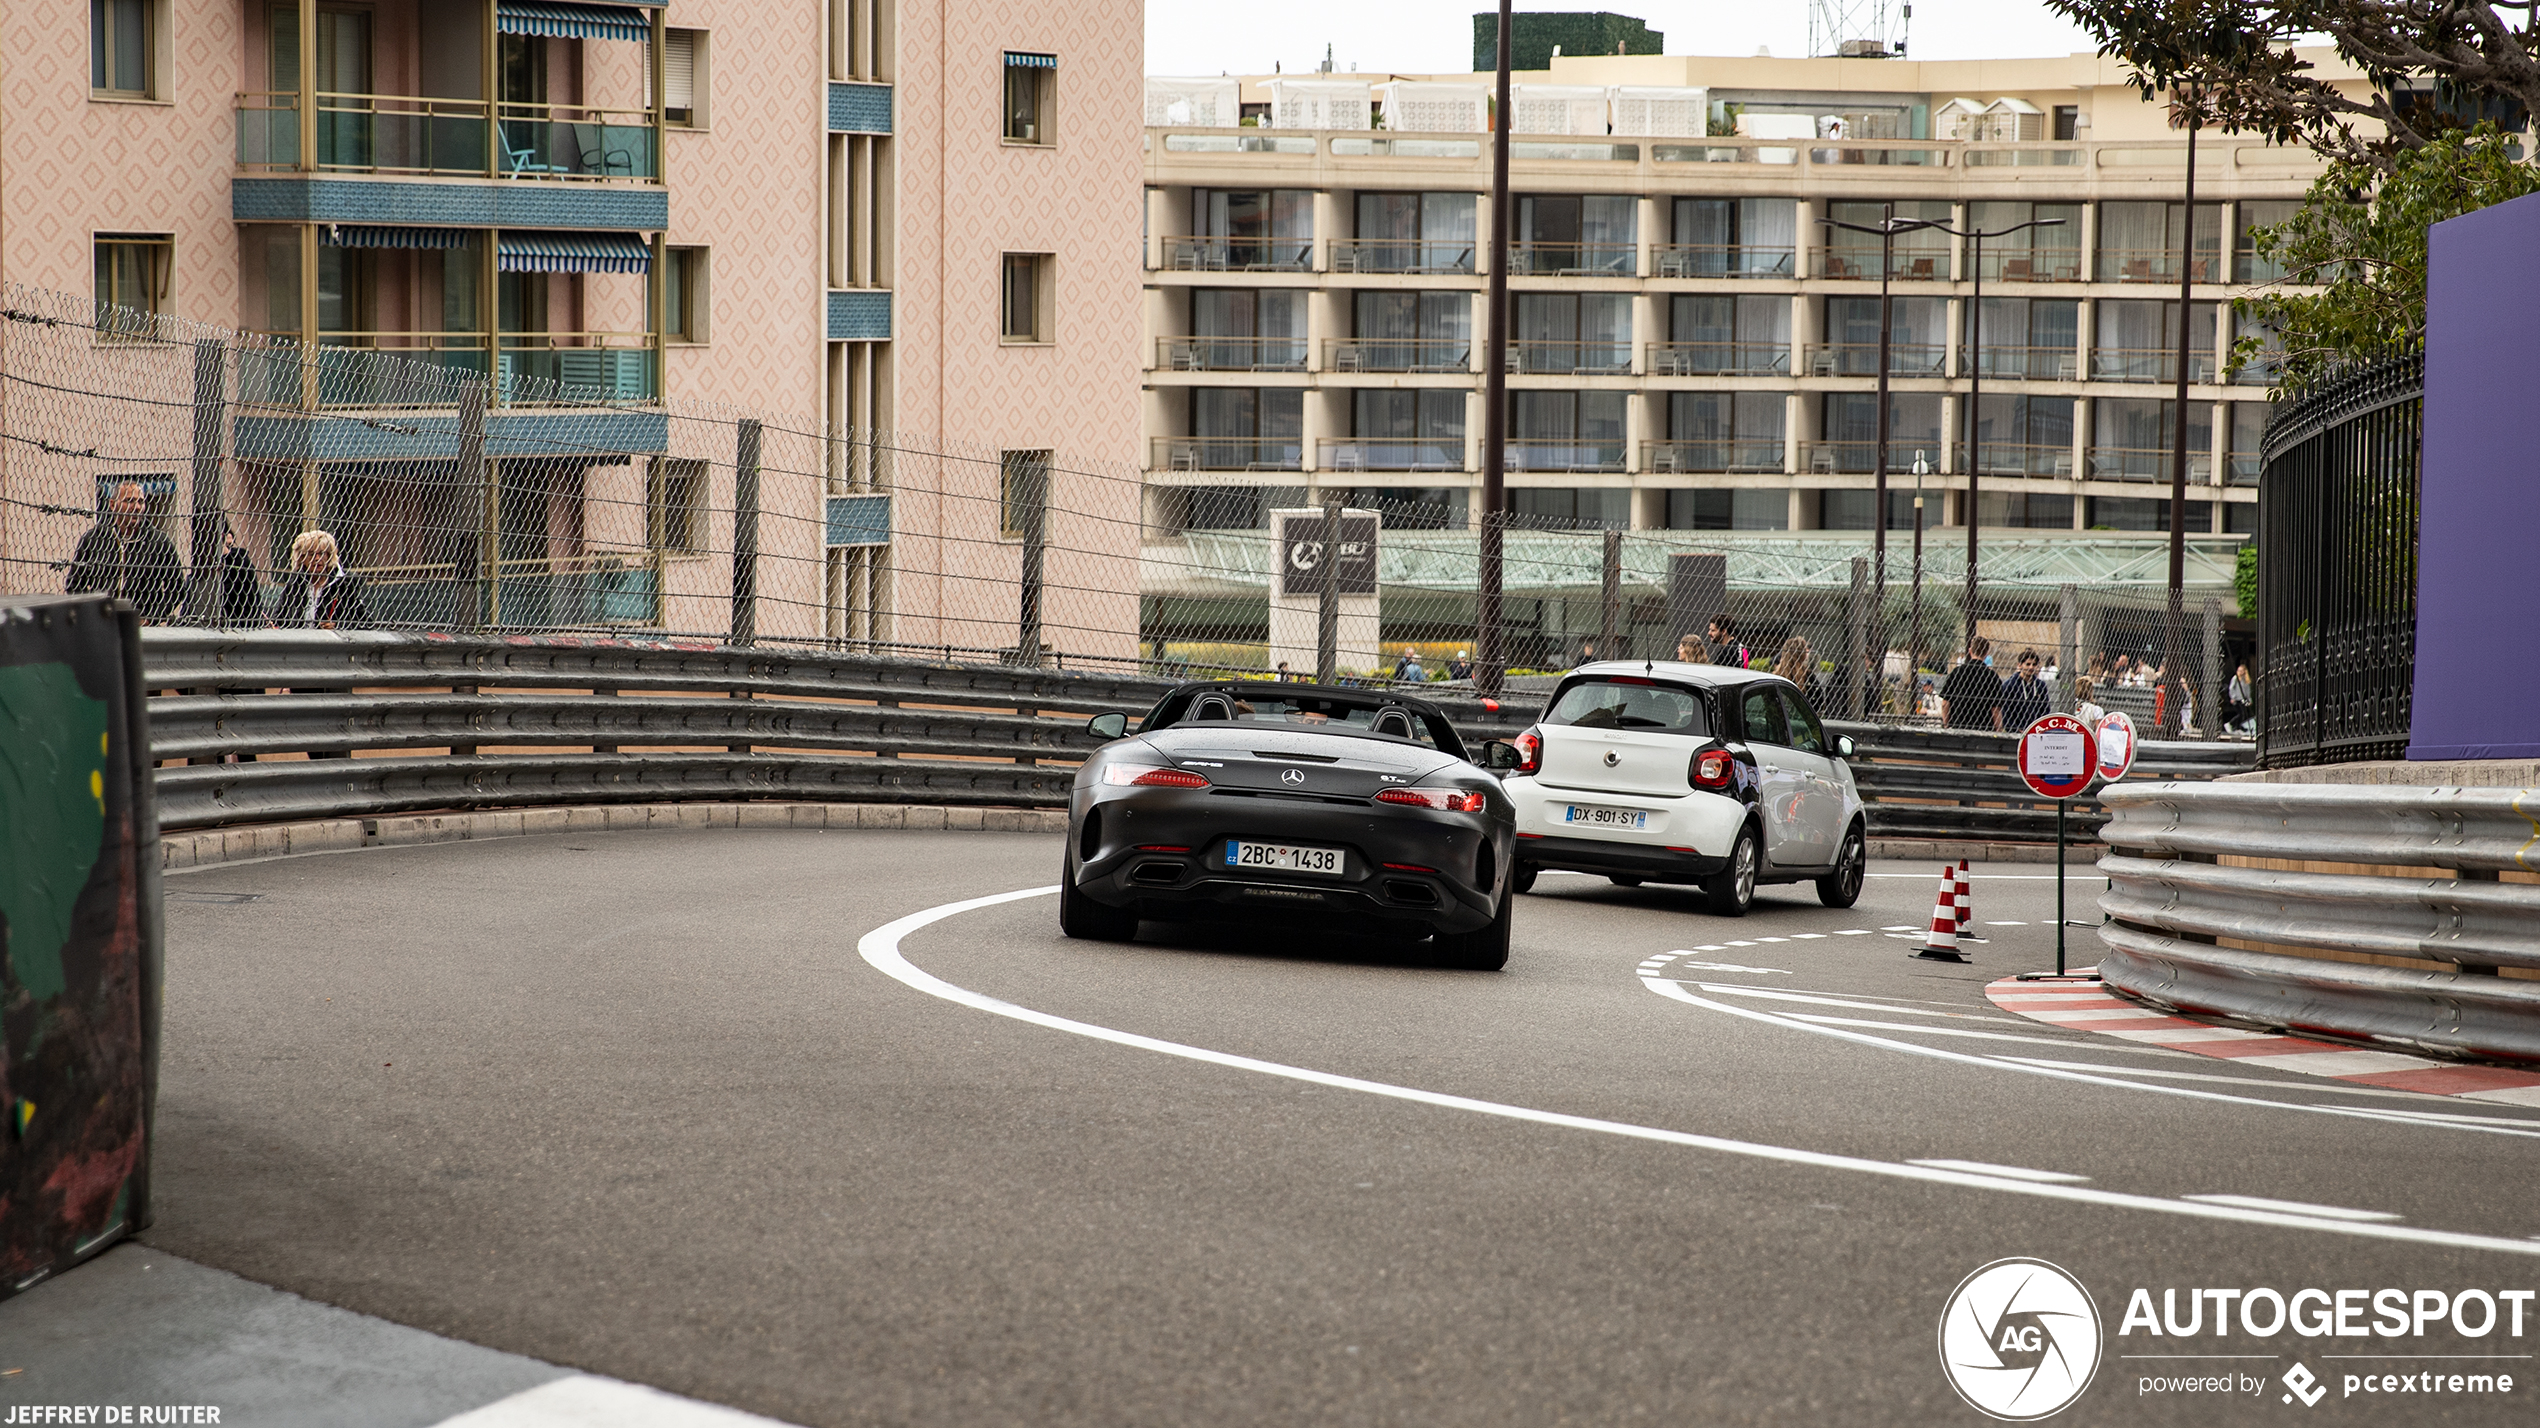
(1855, 932)
(1903, 927)
(1926, 1030)
(2333, 1087)
(583, 1401)
(1734, 967)
(2006, 924)
(880, 949)
(1986, 877)
(2015, 1172)
(2292, 1207)
(1805, 936)
(1772, 939)
(1776, 994)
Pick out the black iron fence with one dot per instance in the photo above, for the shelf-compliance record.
(2337, 573)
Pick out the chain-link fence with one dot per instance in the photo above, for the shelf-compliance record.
(187, 468)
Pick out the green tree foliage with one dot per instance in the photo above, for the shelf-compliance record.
(2362, 233)
(2244, 578)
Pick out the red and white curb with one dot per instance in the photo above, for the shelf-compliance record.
(2086, 1006)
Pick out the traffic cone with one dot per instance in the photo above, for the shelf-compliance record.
(1966, 899)
(1941, 943)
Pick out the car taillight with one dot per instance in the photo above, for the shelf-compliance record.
(1151, 776)
(1444, 800)
(1711, 769)
(1529, 752)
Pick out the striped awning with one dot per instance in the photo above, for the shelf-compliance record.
(565, 20)
(1018, 59)
(573, 253)
(358, 235)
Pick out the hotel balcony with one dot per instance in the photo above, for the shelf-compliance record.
(1730, 457)
(1397, 354)
(1861, 359)
(2030, 265)
(2132, 463)
(1230, 453)
(2148, 364)
(1565, 455)
(1573, 260)
(2011, 458)
(1719, 359)
(1230, 354)
(1183, 254)
(1857, 263)
(1707, 260)
(1409, 256)
(2022, 364)
(2155, 265)
(396, 135)
(1532, 357)
(1390, 454)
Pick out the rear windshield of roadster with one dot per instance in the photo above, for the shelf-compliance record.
(1615, 704)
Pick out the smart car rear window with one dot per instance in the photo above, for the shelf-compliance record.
(1613, 704)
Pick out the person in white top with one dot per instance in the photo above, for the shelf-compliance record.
(2084, 709)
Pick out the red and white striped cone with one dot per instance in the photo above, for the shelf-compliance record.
(1966, 901)
(1942, 940)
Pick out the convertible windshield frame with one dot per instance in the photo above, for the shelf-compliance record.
(1174, 711)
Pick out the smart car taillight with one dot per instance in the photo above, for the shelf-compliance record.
(1151, 776)
(1444, 800)
(1711, 769)
(1529, 752)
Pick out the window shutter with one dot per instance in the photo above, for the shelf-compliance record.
(679, 69)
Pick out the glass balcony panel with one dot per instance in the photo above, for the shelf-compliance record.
(1398, 354)
(1585, 358)
(1719, 359)
(1860, 263)
(2144, 364)
(1861, 359)
(2152, 265)
(383, 133)
(577, 367)
(2030, 265)
(1736, 455)
(1239, 255)
(1390, 454)
(1401, 255)
(1712, 260)
(1230, 453)
(1231, 354)
(1565, 455)
(2134, 463)
(2011, 458)
(2030, 364)
(1608, 260)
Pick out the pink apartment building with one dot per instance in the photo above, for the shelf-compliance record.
(622, 228)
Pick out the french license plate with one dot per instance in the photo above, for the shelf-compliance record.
(1283, 858)
(1580, 815)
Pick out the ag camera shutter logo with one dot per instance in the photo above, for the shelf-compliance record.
(2019, 1340)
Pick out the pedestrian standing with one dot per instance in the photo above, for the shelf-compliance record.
(1724, 646)
(125, 556)
(2237, 696)
(1690, 650)
(2085, 707)
(2025, 696)
(319, 592)
(1972, 696)
(242, 599)
(1794, 663)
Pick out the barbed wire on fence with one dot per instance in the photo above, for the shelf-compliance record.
(181, 464)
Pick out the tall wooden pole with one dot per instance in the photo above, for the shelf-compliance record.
(1488, 639)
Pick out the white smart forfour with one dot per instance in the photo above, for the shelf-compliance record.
(1687, 773)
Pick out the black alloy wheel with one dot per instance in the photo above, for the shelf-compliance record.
(1482, 951)
(1622, 880)
(1732, 890)
(1842, 887)
(1085, 919)
(1523, 880)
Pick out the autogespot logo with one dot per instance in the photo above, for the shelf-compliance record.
(2019, 1339)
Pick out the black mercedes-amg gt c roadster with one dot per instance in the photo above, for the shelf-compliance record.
(1347, 809)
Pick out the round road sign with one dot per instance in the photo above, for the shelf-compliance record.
(2057, 757)
(2116, 746)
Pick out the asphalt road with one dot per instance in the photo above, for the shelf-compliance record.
(637, 1104)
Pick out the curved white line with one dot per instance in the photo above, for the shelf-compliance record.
(881, 948)
(1655, 980)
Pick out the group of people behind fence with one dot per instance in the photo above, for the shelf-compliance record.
(125, 555)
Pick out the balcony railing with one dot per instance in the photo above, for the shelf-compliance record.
(2138, 463)
(1862, 264)
(1239, 255)
(1583, 358)
(393, 134)
(2011, 458)
(1861, 359)
(2241, 468)
(1719, 359)
(2148, 364)
(1230, 354)
(2266, 371)
(2154, 265)
(379, 370)
(1852, 457)
(1526, 455)
(1750, 454)
(578, 367)
(1398, 354)
(1711, 260)
(1390, 454)
(1229, 453)
(1594, 260)
(1401, 255)
(2023, 364)
(2040, 265)
(602, 588)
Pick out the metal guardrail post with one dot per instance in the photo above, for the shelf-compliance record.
(1610, 597)
(203, 593)
(745, 471)
(1327, 613)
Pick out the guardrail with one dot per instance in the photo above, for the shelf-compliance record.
(1956, 783)
(2172, 904)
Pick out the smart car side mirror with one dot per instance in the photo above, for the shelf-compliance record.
(1499, 756)
(1107, 726)
(1843, 746)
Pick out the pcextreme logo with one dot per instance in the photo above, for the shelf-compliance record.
(2019, 1339)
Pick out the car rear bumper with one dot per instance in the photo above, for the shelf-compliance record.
(1699, 825)
(1584, 855)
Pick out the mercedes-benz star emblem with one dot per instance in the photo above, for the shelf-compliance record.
(1292, 776)
(1612, 758)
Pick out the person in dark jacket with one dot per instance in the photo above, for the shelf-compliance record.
(319, 592)
(2026, 698)
(1971, 697)
(124, 555)
(242, 599)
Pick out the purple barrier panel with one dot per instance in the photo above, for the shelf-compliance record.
(2478, 649)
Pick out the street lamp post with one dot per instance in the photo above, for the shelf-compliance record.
(1488, 639)
(1975, 385)
(1886, 230)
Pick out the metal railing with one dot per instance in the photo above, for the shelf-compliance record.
(2147, 463)
(2294, 932)
(1238, 255)
(1862, 264)
(1402, 255)
(1397, 354)
(1526, 455)
(1379, 453)
(2148, 364)
(1722, 260)
(2036, 265)
(1230, 354)
(395, 134)
(1594, 260)
(2013, 458)
(2337, 599)
(1539, 357)
(1719, 359)
(1861, 359)
(1228, 453)
(375, 370)
(2155, 265)
(2018, 364)
(1747, 456)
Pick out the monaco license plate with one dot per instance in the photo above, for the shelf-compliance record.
(1580, 815)
(1282, 858)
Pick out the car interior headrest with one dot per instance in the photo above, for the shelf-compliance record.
(1396, 722)
(1213, 706)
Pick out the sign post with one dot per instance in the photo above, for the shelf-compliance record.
(2058, 757)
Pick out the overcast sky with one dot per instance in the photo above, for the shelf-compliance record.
(1192, 37)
